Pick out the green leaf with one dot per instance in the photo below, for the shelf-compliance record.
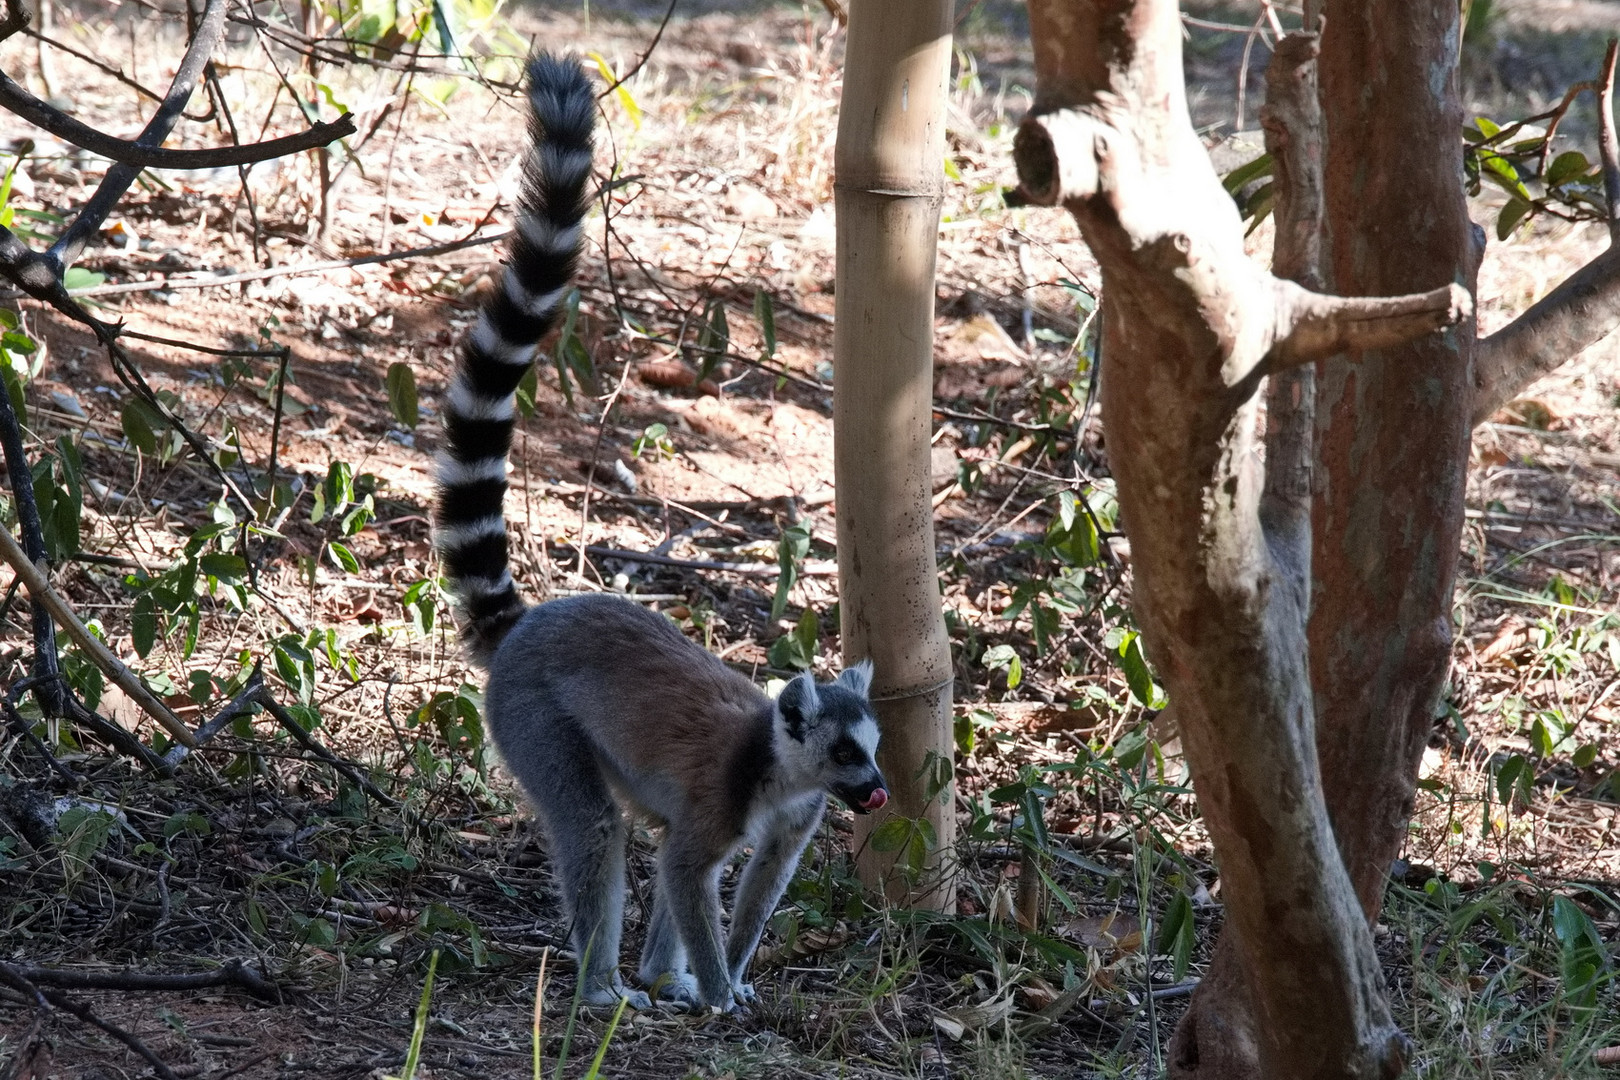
(1177, 931)
(77, 277)
(766, 314)
(402, 393)
(892, 834)
(1004, 657)
(140, 425)
(223, 566)
(1511, 215)
(1135, 666)
(1500, 171)
(344, 557)
(1507, 774)
(1584, 756)
(1569, 165)
(143, 626)
(18, 342)
(1240, 176)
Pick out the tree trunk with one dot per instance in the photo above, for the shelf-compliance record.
(1392, 429)
(1220, 549)
(891, 143)
(1393, 424)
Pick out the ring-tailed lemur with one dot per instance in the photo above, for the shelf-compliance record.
(595, 702)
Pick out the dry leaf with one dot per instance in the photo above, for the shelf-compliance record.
(1037, 994)
(1115, 931)
(667, 374)
(805, 943)
(1510, 638)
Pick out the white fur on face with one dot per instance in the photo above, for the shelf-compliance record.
(866, 733)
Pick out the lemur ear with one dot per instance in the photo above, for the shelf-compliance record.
(857, 679)
(797, 703)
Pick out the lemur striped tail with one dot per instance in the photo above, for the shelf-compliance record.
(469, 529)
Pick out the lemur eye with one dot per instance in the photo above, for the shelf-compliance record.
(844, 754)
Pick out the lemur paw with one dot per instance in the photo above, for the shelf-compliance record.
(608, 998)
(679, 988)
(744, 993)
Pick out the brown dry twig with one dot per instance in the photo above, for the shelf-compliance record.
(14, 977)
(232, 973)
(18, 100)
(1609, 140)
(126, 680)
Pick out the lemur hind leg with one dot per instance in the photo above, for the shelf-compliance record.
(587, 845)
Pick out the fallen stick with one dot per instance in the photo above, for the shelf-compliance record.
(126, 680)
(233, 973)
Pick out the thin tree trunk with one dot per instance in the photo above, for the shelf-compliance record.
(890, 181)
(1393, 424)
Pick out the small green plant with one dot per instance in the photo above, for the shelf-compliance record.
(791, 549)
(413, 1053)
(654, 441)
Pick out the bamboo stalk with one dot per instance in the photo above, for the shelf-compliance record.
(891, 142)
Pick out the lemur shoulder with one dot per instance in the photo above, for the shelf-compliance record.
(597, 704)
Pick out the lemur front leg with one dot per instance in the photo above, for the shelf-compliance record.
(689, 879)
(764, 879)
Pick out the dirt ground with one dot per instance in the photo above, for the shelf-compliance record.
(722, 152)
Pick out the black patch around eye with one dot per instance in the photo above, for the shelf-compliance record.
(846, 752)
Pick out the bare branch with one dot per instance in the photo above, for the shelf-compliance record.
(126, 680)
(112, 187)
(1583, 309)
(1609, 140)
(15, 98)
(1312, 326)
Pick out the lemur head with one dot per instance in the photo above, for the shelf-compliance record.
(827, 736)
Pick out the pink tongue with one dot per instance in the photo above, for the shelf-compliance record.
(875, 800)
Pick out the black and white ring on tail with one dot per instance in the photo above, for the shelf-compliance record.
(600, 706)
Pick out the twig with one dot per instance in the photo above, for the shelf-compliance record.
(116, 736)
(64, 127)
(14, 977)
(67, 248)
(1609, 140)
(232, 973)
(168, 284)
(26, 730)
(33, 538)
(308, 742)
(639, 64)
(238, 705)
(811, 569)
(275, 426)
(112, 667)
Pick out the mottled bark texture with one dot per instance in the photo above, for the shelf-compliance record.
(890, 183)
(1360, 530)
(1219, 549)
